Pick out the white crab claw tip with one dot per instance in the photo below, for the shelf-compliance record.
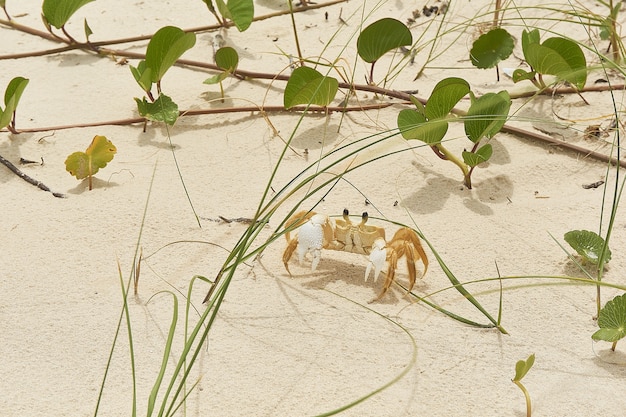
(318, 219)
(379, 243)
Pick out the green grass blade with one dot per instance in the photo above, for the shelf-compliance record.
(166, 353)
(125, 310)
(458, 286)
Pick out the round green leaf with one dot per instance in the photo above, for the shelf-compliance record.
(381, 37)
(58, 12)
(588, 245)
(612, 320)
(85, 164)
(491, 48)
(227, 59)
(308, 86)
(164, 49)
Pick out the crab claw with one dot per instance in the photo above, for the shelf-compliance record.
(378, 256)
(311, 239)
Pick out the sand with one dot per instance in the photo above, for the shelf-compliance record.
(310, 343)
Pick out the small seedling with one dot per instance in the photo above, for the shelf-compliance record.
(87, 164)
(227, 59)
(12, 97)
(379, 38)
(589, 245)
(556, 56)
(309, 86)
(521, 369)
(429, 123)
(612, 321)
(164, 49)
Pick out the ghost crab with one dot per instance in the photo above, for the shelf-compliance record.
(317, 232)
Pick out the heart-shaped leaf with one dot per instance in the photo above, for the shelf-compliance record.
(143, 75)
(413, 125)
(381, 37)
(308, 86)
(163, 109)
(446, 94)
(58, 12)
(481, 155)
(86, 164)
(12, 96)
(491, 48)
(523, 366)
(612, 320)
(164, 49)
(486, 115)
(556, 56)
(530, 38)
(588, 245)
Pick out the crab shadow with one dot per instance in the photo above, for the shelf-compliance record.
(331, 271)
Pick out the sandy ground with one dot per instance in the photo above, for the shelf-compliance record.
(305, 345)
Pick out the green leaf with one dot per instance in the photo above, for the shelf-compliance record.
(85, 164)
(446, 94)
(559, 57)
(588, 245)
(58, 12)
(3, 3)
(413, 125)
(218, 78)
(481, 155)
(88, 31)
(381, 37)
(241, 13)
(308, 86)
(521, 75)
(162, 110)
(227, 59)
(486, 115)
(491, 48)
(209, 5)
(12, 96)
(522, 367)
(529, 38)
(164, 49)
(612, 320)
(143, 75)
